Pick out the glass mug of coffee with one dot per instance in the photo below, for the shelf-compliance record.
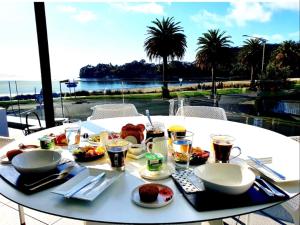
(117, 151)
(222, 146)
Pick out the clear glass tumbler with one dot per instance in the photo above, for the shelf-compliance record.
(72, 132)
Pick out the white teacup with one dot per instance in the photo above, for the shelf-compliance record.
(159, 145)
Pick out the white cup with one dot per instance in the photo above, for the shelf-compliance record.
(159, 145)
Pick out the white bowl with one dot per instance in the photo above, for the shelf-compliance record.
(225, 178)
(136, 149)
(37, 161)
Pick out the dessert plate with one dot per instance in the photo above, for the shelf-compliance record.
(165, 197)
(155, 175)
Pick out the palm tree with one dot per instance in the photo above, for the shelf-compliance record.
(250, 55)
(212, 51)
(287, 54)
(165, 40)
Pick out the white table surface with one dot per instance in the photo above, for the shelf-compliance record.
(114, 205)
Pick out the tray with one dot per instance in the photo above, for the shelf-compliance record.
(91, 191)
(17, 180)
(205, 200)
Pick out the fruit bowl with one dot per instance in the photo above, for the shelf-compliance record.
(88, 153)
(199, 156)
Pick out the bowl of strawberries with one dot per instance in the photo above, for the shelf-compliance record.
(198, 156)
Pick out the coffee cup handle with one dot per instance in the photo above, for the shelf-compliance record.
(239, 149)
(148, 146)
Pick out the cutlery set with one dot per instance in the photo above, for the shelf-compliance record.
(85, 186)
(49, 179)
(264, 185)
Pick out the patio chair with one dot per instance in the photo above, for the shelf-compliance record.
(113, 110)
(32, 129)
(202, 111)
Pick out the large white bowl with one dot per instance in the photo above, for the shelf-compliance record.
(225, 178)
(37, 161)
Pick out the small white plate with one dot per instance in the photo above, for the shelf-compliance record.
(162, 200)
(91, 191)
(156, 175)
(133, 156)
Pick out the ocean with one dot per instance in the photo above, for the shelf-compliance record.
(32, 87)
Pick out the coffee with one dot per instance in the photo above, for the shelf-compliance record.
(154, 133)
(222, 145)
(222, 151)
(117, 157)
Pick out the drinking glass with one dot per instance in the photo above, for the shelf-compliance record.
(175, 104)
(222, 146)
(117, 151)
(72, 132)
(182, 148)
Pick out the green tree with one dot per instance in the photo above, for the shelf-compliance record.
(165, 40)
(213, 50)
(250, 55)
(287, 55)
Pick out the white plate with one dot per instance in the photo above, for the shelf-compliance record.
(159, 202)
(156, 175)
(91, 191)
(133, 156)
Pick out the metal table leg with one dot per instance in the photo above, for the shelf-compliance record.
(21, 215)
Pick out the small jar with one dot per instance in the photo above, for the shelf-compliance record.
(47, 142)
(154, 161)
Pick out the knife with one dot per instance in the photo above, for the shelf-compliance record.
(259, 163)
(83, 184)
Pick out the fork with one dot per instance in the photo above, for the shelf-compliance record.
(63, 173)
(272, 189)
(60, 177)
(266, 190)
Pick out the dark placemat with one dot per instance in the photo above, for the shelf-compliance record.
(206, 200)
(14, 178)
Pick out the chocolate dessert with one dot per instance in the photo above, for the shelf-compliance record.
(148, 192)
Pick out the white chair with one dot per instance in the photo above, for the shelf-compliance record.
(113, 110)
(202, 111)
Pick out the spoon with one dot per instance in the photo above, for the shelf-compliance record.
(149, 118)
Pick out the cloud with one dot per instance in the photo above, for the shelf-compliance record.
(67, 9)
(240, 13)
(294, 35)
(243, 12)
(147, 8)
(85, 16)
(271, 38)
(210, 20)
(283, 5)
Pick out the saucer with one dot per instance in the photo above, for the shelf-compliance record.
(139, 156)
(155, 175)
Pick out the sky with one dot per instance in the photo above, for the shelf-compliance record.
(114, 32)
